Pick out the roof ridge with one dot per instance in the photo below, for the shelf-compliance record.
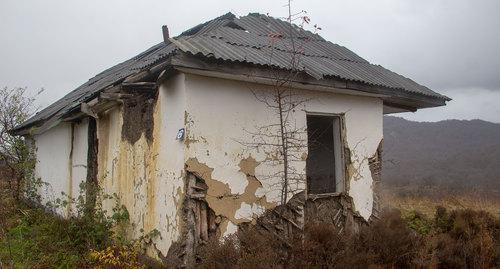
(323, 58)
(195, 29)
(219, 35)
(282, 20)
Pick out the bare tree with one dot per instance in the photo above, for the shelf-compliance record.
(15, 107)
(282, 140)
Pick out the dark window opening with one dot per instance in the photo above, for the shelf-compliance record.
(324, 162)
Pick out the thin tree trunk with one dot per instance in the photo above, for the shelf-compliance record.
(17, 192)
(284, 194)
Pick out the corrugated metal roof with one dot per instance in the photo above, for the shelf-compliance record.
(255, 39)
(102, 80)
(258, 44)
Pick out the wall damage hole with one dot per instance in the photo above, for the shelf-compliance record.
(375, 165)
(92, 166)
(203, 217)
(287, 221)
(201, 224)
(138, 116)
(284, 221)
(333, 209)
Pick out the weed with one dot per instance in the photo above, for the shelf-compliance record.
(123, 256)
(418, 222)
(40, 238)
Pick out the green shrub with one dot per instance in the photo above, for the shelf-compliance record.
(418, 222)
(45, 240)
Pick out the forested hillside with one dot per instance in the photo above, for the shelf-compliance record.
(455, 154)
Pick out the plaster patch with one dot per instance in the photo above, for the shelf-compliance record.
(249, 211)
(231, 228)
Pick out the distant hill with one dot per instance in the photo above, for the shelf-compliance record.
(455, 154)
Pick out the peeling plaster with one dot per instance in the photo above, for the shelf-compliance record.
(375, 163)
(223, 201)
(221, 110)
(148, 171)
(230, 229)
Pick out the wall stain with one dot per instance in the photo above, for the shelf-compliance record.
(133, 174)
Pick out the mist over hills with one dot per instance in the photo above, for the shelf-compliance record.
(454, 154)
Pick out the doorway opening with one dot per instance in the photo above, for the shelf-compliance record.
(324, 165)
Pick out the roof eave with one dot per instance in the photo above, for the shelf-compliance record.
(249, 72)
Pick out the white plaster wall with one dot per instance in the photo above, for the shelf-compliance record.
(220, 114)
(170, 161)
(79, 157)
(60, 166)
(147, 176)
(52, 166)
(109, 126)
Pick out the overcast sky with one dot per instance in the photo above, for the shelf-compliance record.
(450, 46)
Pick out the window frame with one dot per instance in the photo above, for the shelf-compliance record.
(339, 151)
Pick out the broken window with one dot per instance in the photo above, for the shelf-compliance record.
(324, 166)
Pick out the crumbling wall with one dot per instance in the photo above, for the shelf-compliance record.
(138, 114)
(127, 170)
(288, 221)
(140, 161)
(219, 116)
(285, 221)
(375, 163)
(234, 184)
(92, 164)
(200, 224)
(333, 209)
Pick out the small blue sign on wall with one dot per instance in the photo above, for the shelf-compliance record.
(180, 134)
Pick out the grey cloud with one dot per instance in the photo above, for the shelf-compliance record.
(59, 44)
(467, 104)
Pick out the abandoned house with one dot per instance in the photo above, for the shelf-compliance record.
(188, 133)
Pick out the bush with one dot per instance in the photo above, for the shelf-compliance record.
(45, 240)
(418, 222)
(460, 239)
(42, 241)
(466, 239)
(389, 242)
(248, 248)
(121, 256)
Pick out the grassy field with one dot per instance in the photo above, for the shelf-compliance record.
(427, 200)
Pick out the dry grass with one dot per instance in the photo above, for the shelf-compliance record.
(457, 239)
(426, 201)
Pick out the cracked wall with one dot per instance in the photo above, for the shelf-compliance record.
(147, 166)
(219, 111)
(375, 165)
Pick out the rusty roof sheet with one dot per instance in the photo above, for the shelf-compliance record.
(255, 39)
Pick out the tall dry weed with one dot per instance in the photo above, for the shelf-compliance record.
(456, 239)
